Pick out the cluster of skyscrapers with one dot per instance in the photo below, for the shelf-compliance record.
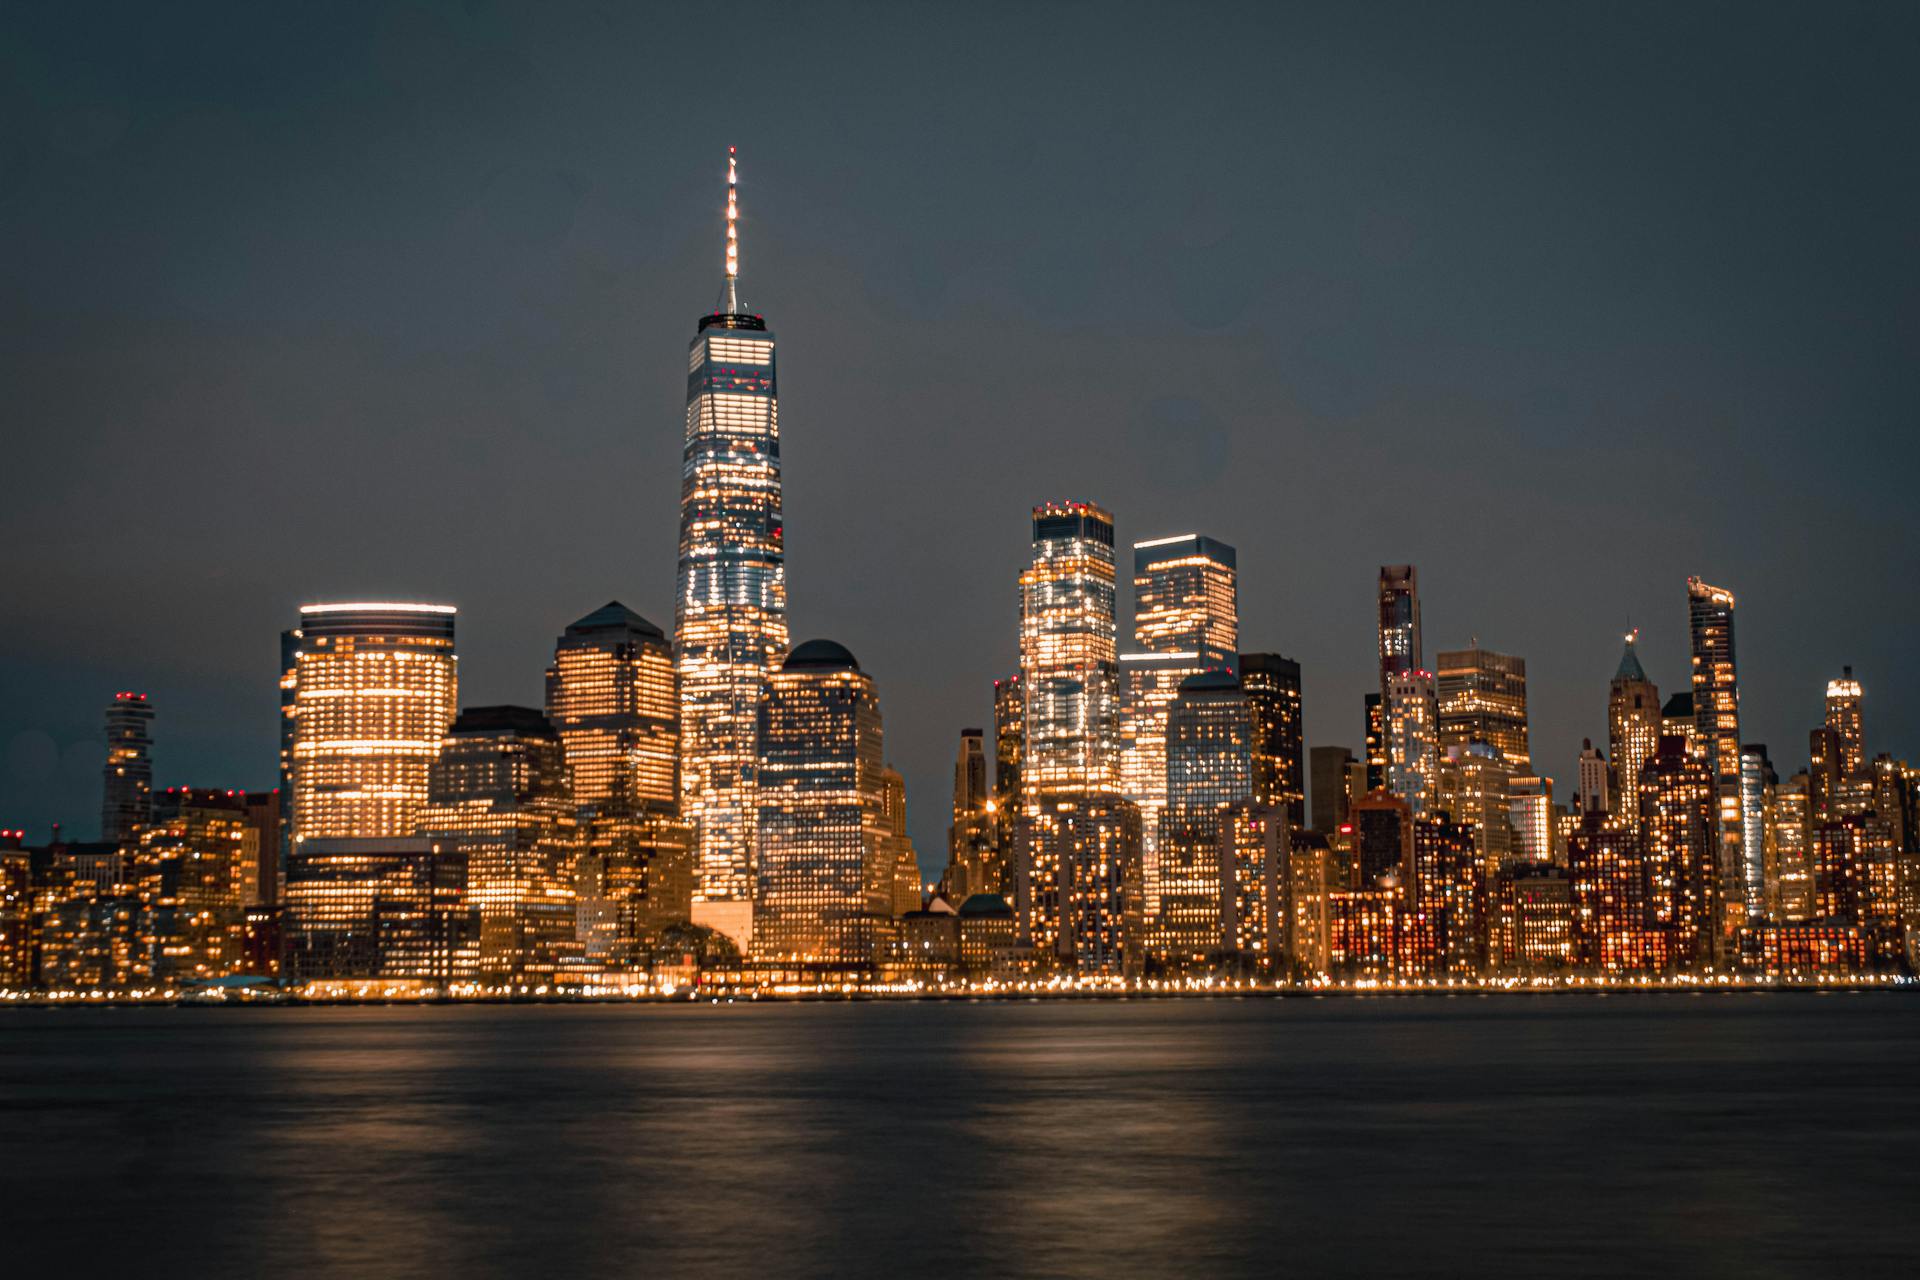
(720, 799)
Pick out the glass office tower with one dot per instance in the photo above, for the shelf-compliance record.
(374, 691)
(1067, 655)
(730, 613)
(127, 779)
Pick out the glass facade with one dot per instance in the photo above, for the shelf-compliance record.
(1210, 733)
(730, 612)
(1483, 698)
(1186, 620)
(1400, 648)
(1272, 685)
(498, 793)
(374, 691)
(612, 695)
(1067, 655)
(825, 880)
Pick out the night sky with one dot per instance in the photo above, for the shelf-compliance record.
(305, 302)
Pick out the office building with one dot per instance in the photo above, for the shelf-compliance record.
(375, 688)
(1068, 660)
(1845, 717)
(1272, 686)
(827, 860)
(1680, 844)
(1210, 733)
(1483, 698)
(189, 867)
(498, 793)
(730, 606)
(379, 913)
(612, 697)
(1633, 730)
(1400, 647)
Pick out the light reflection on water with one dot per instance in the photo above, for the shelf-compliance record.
(1760, 1135)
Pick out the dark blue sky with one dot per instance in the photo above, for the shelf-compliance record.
(1562, 305)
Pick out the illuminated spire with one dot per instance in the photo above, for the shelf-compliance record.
(730, 290)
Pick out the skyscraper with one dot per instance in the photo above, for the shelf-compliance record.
(1400, 648)
(498, 792)
(972, 853)
(1716, 715)
(1329, 768)
(730, 611)
(1067, 655)
(825, 876)
(127, 778)
(1844, 717)
(1413, 744)
(1483, 698)
(1677, 821)
(374, 691)
(1009, 750)
(1186, 620)
(1210, 733)
(1590, 789)
(1633, 729)
(1272, 686)
(612, 697)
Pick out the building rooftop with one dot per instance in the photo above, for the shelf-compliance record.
(820, 655)
(985, 904)
(525, 721)
(614, 616)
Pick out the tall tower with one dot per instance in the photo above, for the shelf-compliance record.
(1399, 623)
(611, 696)
(375, 688)
(1483, 698)
(1844, 717)
(1186, 620)
(1633, 730)
(730, 610)
(1067, 654)
(825, 880)
(127, 780)
(1210, 738)
(1413, 740)
(1272, 686)
(1716, 718)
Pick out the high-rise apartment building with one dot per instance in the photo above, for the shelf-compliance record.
(1475, 792)
(1680, 844)
(127, 778)
(1210, 734)
(612, 697)
(825, 880)
(498, 793)
(1077, 884)
(1633, 729)
(1413, 742)
(374, 691)
(1272, 686)
(1254, 850)
(1068, 659)
(730, 609)
(1716, 716)
(1845, 699)
(1483, 698)
(1400, 648)
(189, 869)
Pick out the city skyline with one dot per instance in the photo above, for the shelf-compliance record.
(1304, 571)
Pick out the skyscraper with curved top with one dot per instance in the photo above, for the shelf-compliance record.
(730, 609)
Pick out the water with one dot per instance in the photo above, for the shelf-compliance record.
(1716, 1135)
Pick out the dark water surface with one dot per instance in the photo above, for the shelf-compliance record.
(1711, 1135)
